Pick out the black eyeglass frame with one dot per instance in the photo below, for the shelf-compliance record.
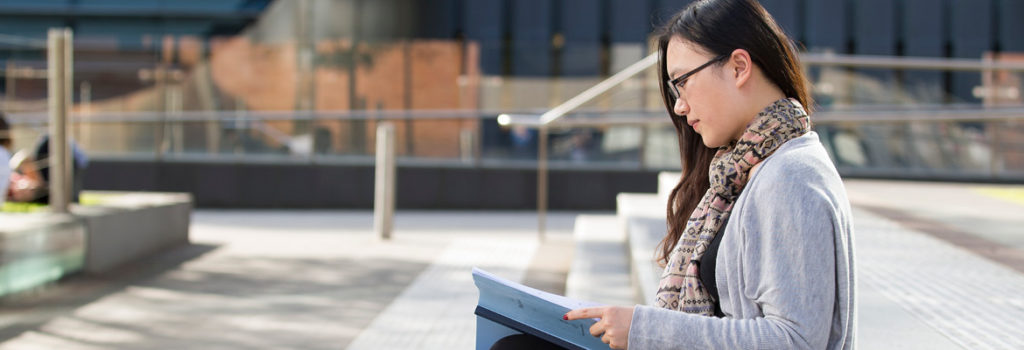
(673, 84)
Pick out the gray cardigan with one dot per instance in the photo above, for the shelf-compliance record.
(785, 270)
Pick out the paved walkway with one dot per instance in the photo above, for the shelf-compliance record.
(950, 295)
(320, 280)
(288, 280)
(947, 254)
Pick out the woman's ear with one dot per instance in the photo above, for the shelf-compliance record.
(742, 65)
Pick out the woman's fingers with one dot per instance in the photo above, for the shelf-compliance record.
(590, 312)
(597, 329)
(612, 326)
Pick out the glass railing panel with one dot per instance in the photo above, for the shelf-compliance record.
(946, 149)
(119, 138)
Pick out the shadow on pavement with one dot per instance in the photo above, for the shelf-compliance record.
(31, 309)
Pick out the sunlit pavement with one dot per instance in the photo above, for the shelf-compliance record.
(939, 267)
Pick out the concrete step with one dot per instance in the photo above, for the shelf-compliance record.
(644, 236)
(632, 205)
(667, 180)
(600, 268)
(642, 218)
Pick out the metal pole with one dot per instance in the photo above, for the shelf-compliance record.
(466, 146)
(59, 60)
(177, 129)
(384, 183)
(160, 139)
(644, 134)
(69, 101)
(542, 181)
(85, 99)
(304, 51)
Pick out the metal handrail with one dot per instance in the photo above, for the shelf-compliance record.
(808, 59)
(598, 89)
(232, 115)
(573, 119)
(914, 115)
(894, 115)
(559, 111)
(898, 62)
(581, 118)
(23, 41)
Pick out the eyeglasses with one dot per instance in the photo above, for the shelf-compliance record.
(675, 85)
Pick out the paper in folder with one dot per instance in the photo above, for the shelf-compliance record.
(506, 308)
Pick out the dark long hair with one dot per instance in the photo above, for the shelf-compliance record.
(5, 134)
(719, 27)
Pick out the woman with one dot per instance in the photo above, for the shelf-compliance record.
(759, 251)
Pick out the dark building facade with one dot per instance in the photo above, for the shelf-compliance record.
(113, 38)
(490, 56)
(539, 38)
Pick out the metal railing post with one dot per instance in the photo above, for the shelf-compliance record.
(59, 59)
(561, 110)
(542, 181)
(159, 137)
(384, 183)
(466, 146)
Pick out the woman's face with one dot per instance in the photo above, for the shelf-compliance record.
(708, 97)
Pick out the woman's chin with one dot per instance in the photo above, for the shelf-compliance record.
(712, 143)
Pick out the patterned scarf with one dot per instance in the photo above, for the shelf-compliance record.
(681, 288)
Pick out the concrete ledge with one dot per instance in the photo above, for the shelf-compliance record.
(126, 226)
(667, 180)
(642, 221)
(637, 205)
(600, 266)
(644, 236)
(614, 261)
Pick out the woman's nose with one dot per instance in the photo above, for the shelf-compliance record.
(681, 108)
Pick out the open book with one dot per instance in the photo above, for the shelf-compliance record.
(506, 308)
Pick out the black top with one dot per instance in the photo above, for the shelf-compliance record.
(707, 270)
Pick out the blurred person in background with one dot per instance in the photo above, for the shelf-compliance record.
(5, 158)
(30, 179)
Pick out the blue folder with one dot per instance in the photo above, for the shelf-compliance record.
(507, 308)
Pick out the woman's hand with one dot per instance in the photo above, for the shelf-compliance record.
(613, 326)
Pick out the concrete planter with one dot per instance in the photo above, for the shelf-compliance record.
(126, 226)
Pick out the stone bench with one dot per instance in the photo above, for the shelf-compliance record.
(108, 230)
(126, 226)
